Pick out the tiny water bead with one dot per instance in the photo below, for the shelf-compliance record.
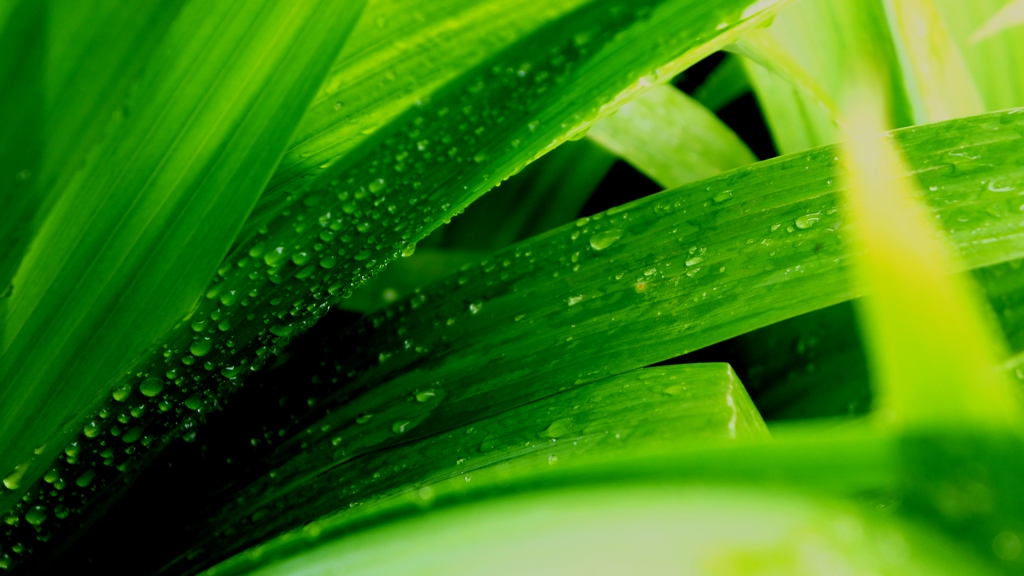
(151, 387)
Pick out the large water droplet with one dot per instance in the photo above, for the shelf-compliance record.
(121, 392)
(808, 220)
(559, 427)
(13, 480)
(201, 346)
(602, 240)
(151, 387)
(36, 515)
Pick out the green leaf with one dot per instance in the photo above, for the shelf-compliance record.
(546, 194)
(986, 35)
(726, 83)
(22, 23)
(365, 209)
(936, 79)
(810, 366)
(618, 528)
(127, 248)
(677, 405)
(1009, 16)
(814, 366)
(935, 352)
(671, 273)
(402, 52)
(671, 138)
(614, 292)
(814, 45)
(405, 275)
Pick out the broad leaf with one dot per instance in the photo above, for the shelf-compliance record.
(671, 138)
(678, 405)
(127, 248)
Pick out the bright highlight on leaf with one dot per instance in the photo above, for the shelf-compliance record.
(1009, 16)
(935, 352)
(671, 138)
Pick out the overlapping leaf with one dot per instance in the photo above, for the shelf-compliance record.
(140, 229)
(422, 167)
(688, 405)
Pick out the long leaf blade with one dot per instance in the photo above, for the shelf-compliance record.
(167, 195)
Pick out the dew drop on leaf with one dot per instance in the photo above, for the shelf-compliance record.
(151, 387)
(808, 220)
(603, 240)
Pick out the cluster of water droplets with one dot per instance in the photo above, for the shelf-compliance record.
(329, 238)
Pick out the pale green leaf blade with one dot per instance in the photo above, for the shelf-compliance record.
(991, 44)
(1009, 16)
(622, 528)
(822, 40)
(934, 349)
(671, 138)
(198, 148)
(939, 86)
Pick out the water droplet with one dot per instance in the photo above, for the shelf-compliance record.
(722, 196)
(363, 418)
(997, 185)
(574, 300)
(121, 392)
(475, 307)
(480, 157)
(603, 240)
(275, 257)
(400, 427)
(36, 515)
(408, 250)
(229, 298)
(151, 387)
(91, 429)
(808, 220)
(132, 435)
(13, 480)
(558, 428)
(282, 330)
(376, 186)
(86, 478)
(231, 371)
(694, 261)
(1007, 545)
(201, 346)
(300, 258)
(426, 395)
